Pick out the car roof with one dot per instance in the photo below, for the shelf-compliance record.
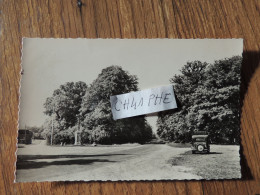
(197, 136)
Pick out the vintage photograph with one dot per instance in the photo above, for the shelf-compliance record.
(67, 131)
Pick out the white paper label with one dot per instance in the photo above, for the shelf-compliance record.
(143, 102)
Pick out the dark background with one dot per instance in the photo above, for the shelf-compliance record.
(131, 19)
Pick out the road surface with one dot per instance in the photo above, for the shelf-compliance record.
(38, 162)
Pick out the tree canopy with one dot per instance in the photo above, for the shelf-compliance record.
(208, 98)
(96, 109)
(65, 103)
(64, 106)
(75, 107)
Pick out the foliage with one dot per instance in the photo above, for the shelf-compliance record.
(172, 125)
(63, 108)
(37, 132)
(74, 106)
(59, 136)
(65, 103)
(96, 113)
(208, 98)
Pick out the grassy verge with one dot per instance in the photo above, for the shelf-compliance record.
(222, 163)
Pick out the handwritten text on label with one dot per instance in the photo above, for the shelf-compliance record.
(143, 102)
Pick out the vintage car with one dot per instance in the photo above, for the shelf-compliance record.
(200, 143)
(24, 136)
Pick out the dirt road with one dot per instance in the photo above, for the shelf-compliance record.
(38, 162)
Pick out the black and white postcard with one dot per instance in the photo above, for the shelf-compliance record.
(129, 110)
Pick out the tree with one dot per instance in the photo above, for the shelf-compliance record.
(209, 101)
(64, 106)
(37, 131)
(216, 108)
(172, 124)
(59, 136)
(96, 109)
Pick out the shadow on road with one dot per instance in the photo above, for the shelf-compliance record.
(35, 157)
(34, 165)
(190, 153)
(31, 161)
(20, 146)
(208, 153)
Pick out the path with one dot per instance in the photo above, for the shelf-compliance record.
(123, 162)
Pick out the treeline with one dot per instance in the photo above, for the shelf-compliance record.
(78, 107)
(208, 100)
(37, 131)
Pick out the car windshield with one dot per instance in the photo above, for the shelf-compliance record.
(199, 139)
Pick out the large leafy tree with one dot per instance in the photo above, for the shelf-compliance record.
(216, 105)
(172, 124)
(98, 123)
(210, 103)
(65, 103)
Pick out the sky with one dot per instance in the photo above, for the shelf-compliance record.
(48, 63)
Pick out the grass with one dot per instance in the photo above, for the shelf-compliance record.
(222, 163)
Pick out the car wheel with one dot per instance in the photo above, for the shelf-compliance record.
(200, 148)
